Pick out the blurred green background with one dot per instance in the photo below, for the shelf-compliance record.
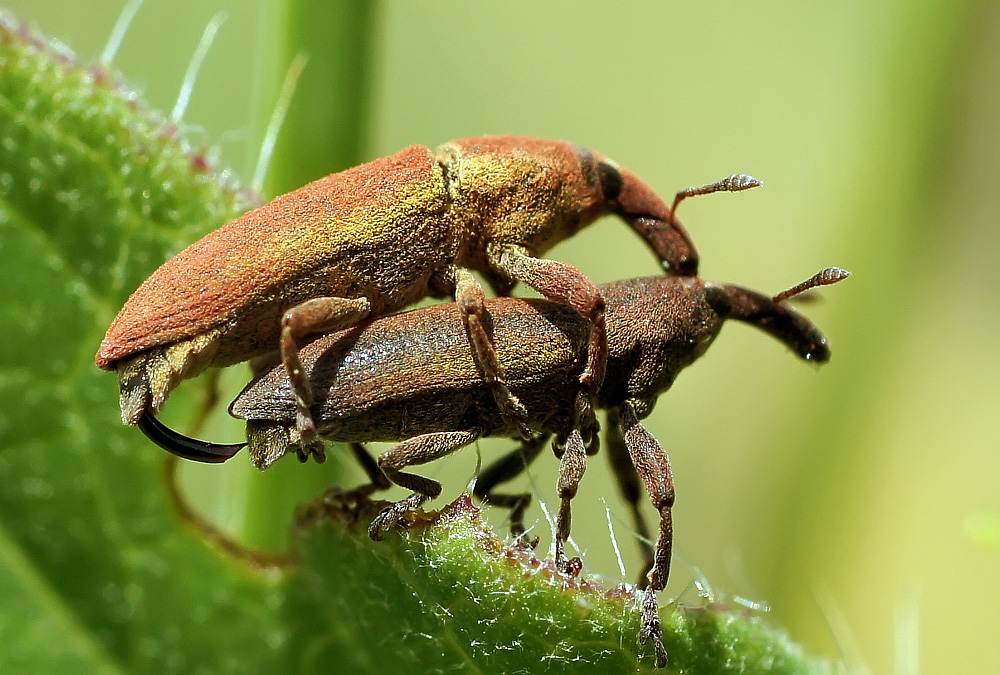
(859, 500)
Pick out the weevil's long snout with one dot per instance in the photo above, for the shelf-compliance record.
(772, 314)
(183, 446)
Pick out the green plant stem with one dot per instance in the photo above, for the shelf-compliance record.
(324, 131)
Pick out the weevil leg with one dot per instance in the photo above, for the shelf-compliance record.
(585, 420)
(507, 468)
(318, 315)
(377, 480)
(415, 451)
(653, 466)
(630, 488)
(565, 284)
(472, 304)
(572, 464)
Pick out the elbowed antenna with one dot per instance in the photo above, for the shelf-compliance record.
(830, 275)
(773, 316)
(735, 183)
(183, 446)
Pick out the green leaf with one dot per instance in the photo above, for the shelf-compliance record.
(450, 596)
(99, 572)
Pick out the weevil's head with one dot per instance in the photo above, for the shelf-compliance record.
(773, 315)
(617, 190)
(658, 326)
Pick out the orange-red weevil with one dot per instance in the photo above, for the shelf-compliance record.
(372, 239)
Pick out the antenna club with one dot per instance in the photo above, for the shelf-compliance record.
(740, 181)
(825, 277)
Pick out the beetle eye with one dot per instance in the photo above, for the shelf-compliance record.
(611, 180)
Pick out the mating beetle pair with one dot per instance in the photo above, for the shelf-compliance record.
(370, 240)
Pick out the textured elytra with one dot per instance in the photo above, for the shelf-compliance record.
(337, 222)
(378, 230)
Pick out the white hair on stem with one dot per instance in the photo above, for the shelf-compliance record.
(118, 32)
(841, 632)
(187, 86)
(614, 539)
(277, 119)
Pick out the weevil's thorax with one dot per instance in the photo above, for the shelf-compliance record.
(663, 324)
(524, 191)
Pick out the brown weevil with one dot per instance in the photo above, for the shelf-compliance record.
(369, 241)
(413, 377)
